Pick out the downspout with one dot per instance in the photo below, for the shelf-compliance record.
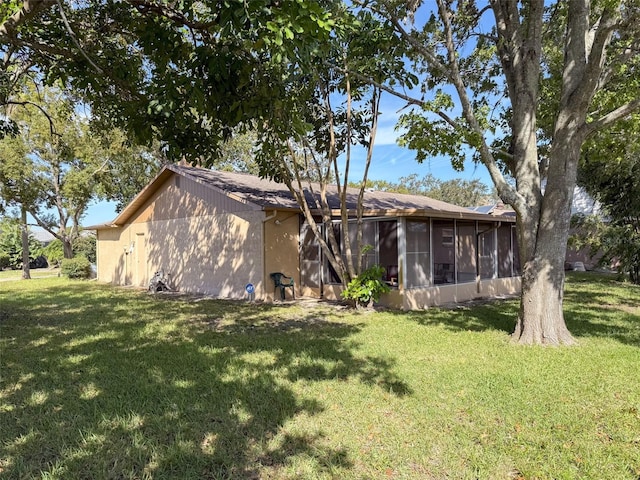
(495, 227)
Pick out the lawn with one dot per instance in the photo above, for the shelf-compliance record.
(34, 272)
(100, 382)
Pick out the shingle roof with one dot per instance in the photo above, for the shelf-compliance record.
(269, 194)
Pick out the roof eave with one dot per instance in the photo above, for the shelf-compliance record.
(144, 195)
(422, 212)
(101, 226)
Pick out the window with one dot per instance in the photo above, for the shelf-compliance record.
(388, 250)
(516, 251)
(368, 238)
(330, 275)
(505, 252)
(382, 236)
(418, 261)
(309, 257)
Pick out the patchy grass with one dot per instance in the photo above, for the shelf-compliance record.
(99, 382)
(34, 272)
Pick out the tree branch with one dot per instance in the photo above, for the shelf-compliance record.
(172, 14)
(600, 38)
(624, 56)
(30, 8)
(75, 40)
(611, 117)
(506, 191)
(24, 103)
(414, 42)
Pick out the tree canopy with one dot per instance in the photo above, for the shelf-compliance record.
(610, 172)
(56, 166)
(185, 73)
(458, 191)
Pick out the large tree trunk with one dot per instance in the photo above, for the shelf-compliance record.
(24, 236)
(67, 247)
(541, 317)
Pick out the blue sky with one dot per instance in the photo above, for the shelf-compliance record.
(390, 162)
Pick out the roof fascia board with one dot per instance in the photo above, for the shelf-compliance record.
(420, 212)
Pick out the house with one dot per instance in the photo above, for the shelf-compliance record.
(42, 236)
(217, 232)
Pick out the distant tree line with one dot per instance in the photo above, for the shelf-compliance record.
(458, 191)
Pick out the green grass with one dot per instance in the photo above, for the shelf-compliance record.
(99, 382)
(34, 272)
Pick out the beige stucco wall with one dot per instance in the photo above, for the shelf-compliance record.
(212, 254)
(213, 247)
(110, 256)
(281, 254)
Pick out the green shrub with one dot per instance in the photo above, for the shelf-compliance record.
(77, 267)
(367, 287)
(11, 244)
(85, 245)
(5, 261)
(54, 253)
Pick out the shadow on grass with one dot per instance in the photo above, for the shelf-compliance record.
(494, 315)
(598, 305)
(101, 383)
(595, 305)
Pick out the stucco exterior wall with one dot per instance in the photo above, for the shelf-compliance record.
(216, 250)
(110, 256)
(212, 254)
(281, 250)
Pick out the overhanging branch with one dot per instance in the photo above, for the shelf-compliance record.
(24, 103)
(611, 117)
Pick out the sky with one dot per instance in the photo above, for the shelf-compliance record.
(390, 162)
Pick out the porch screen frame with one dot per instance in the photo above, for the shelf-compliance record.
(411, 252)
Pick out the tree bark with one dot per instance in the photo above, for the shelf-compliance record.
(24, 234)
(67, 247)
(541, 317)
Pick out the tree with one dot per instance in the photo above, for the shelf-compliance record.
(85, 245)
(325, 114)
(238, 154)
(492, 77)
(19, 187)
(11, 244)
(125, 167)
(56, 166)
(610, 172)
(465, 193)
(186, 73)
